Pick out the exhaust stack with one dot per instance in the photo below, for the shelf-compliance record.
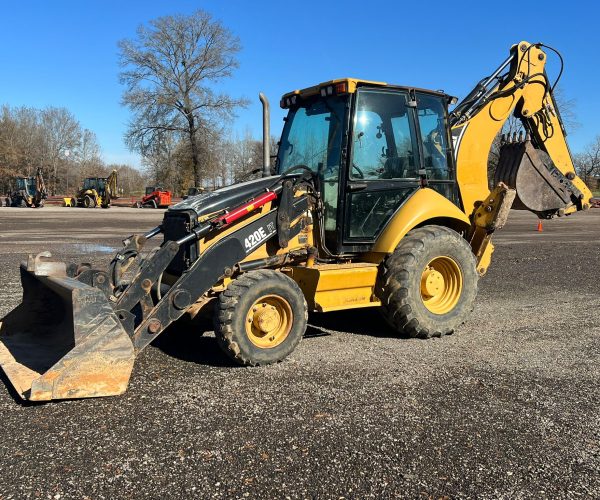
(266, 135)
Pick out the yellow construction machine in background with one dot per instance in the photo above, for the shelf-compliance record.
(28, 191)
(96, 191)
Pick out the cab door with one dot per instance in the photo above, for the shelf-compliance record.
(399, 140)
(384, 163)
(434, 138)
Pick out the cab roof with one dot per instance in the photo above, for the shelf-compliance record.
(348, 86)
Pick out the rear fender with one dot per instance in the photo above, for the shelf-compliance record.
(425, 206)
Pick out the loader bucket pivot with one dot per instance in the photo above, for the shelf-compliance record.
(540, 186)
(64, 340)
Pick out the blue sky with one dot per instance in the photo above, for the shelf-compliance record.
(64, 53)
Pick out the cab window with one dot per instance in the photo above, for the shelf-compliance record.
(383, 138)
(431, 113)
(312, 136)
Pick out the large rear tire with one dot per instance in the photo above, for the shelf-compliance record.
(428, 285)
(89, 202)
(260, 318)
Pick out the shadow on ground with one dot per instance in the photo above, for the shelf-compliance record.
(355, 321)
(189, 342)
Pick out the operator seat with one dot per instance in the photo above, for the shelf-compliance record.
(398, 168)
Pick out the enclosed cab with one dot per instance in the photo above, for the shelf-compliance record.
(372, 145)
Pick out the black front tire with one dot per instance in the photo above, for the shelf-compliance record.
(400, 288)
(248, 293)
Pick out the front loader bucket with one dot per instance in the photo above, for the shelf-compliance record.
(64, 340)
(540, 186)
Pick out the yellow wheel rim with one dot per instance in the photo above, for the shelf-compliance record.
(269, 321)
(441, 285)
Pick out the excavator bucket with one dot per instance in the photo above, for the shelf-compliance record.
(541, 187)
(64, 340)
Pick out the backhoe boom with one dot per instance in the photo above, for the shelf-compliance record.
(523, 90)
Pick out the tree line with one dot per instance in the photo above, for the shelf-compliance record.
(53, 139)
(179, 126)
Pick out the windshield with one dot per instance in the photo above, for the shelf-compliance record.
(312, 136)
(150, 190)
(96, 183)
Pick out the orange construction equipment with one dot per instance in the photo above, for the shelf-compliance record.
(155, 197)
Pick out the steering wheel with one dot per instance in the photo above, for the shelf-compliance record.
(360, 172)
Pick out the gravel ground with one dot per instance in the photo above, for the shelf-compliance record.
(505, 408)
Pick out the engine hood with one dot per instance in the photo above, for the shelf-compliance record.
(224, 198)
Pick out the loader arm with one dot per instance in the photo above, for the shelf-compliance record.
(78, 329)
(519, 87)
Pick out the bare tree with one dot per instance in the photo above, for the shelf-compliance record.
(566, 107)
(131, 182)
(245, 158)
(62, 133)
(160, 161)
(587, 163)
(21, 140)
(53, 139)
(83, 161)
(169, 72)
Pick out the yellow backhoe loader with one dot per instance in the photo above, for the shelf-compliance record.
(96, 191)
(379, 198)
(28, 192)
